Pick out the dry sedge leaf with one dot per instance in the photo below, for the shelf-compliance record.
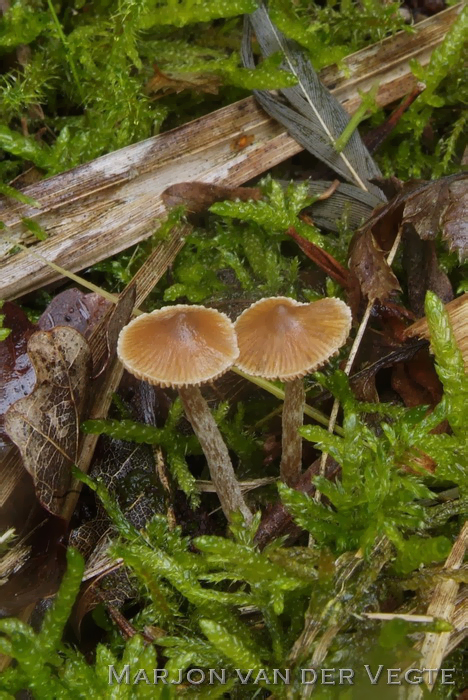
(458, 314)
(199, 196)
(367, 262)
(45, 424)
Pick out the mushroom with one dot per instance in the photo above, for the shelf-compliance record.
(281, 338)
(184, 346)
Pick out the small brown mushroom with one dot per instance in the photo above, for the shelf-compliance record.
(184, 346)
(280, 338)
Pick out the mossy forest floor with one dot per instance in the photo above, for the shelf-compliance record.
(361, 565)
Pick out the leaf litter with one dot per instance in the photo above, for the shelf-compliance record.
(45, 424)
(60, 358)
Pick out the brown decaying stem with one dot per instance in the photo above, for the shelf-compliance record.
(215, 451)
(293, 411)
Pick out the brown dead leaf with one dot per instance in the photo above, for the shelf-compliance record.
(39, 576)
(199, 196)
(75, 309)
(423, 271)
(173, 82)
(45, 424)
(112, 587)
(416, 381)
(368, 264)
(277, 522)
(455, 218)
(17, 375)
(441, 205)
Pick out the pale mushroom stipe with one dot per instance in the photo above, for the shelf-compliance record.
(281, 338)
(183, 347)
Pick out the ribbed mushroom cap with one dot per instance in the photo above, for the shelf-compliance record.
(280, 338)
(178, 346)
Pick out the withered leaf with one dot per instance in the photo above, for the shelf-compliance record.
(368, 264)
(455, 218)
(76, 309)
(16, 371)
(199, 196)
(431, 207)
(45, 424)
(441, 206)
(277, 522)
(423, 271)
(39, 576)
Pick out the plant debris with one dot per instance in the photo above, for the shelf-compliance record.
(45, 424)
(277, 523)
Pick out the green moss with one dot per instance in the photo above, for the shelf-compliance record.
(220, 602)
(376, 495)
(176, 446)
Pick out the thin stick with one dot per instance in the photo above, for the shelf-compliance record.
(352, 357)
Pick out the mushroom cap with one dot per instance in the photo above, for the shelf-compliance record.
(178, 346)
(280, 338)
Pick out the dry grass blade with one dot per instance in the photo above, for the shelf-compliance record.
(311, 647)
(442, 606)
(103, 207)
(458, 314)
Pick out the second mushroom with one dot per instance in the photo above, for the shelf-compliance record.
(281, 338)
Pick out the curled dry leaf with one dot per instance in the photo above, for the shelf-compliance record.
(324, 260)
(368, 264)
(45, 424)
(199, 196)
(425, 208)
(277, 522)
(441, 205)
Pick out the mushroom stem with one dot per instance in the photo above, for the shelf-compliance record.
(216, 452)
(293, 412)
